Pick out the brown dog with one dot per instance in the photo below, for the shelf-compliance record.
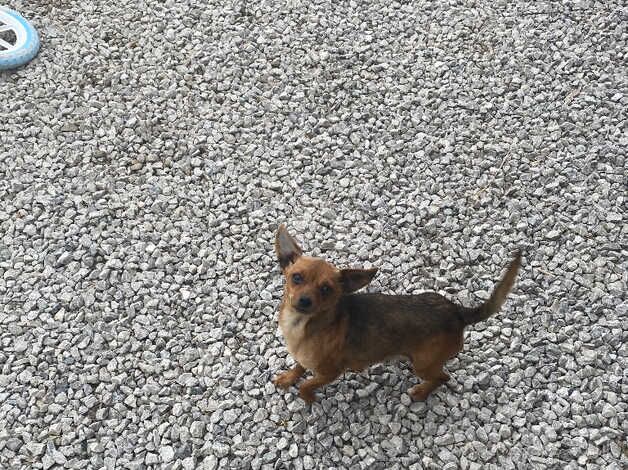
(329, 330)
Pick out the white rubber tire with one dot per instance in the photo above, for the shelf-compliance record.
(26, 45)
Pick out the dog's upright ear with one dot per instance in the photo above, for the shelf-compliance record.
(286, 247)
(355, 279)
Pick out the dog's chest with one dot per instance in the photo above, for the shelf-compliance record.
(292, 327)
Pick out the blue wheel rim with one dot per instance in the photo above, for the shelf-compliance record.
(15, 58)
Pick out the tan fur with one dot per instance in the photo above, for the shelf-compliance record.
(300, 346)
(329, 330)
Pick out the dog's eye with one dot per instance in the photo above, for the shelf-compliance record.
(297, 278)
(325, 289)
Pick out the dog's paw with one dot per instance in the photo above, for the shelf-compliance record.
(285, 380)
(307, 395)
(419, 392)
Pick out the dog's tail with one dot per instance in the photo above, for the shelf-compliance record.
(497, 298)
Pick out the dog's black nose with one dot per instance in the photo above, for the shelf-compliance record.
(304, 302)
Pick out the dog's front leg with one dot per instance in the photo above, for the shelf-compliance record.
(307, 388)
(289, 377)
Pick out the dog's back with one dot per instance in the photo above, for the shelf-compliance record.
(383, 326)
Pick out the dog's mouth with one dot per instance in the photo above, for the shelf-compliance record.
(304, 311)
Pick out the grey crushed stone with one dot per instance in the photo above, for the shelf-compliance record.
(148, 154)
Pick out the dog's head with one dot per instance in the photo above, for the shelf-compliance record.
(312, 284)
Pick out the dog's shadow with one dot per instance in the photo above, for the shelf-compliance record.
(385, 383)
(380, 394)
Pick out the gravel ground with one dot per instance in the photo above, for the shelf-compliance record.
(149, 152)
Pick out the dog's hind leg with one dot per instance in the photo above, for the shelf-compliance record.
(428, 361)
(432, 377)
